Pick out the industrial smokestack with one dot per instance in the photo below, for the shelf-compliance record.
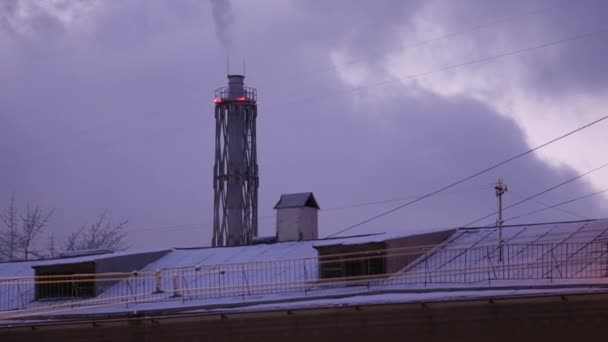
(235, 173)
(236, 85)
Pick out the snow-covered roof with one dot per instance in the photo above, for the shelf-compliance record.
(190, 257)
(374, 238)
(93, 258)
(85, 252)
(354, 296)
(534, 256)
(555, 232)
(575, 249)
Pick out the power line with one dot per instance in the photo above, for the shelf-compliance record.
(448, 35)
(438, 70)
(476, 61)
(188, 226)
(547, 206)
(401, 199)
(567, 39)
(470, 177)
(472, 62)
(538, 194)
(554, 206)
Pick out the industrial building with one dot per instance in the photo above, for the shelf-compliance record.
(502, 283)
(418, 283)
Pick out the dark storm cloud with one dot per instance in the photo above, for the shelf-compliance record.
(430, 142)
(120, 118)
(433, 141)
(7, 12)
(577, 65)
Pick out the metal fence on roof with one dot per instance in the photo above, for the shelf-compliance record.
(480, 265)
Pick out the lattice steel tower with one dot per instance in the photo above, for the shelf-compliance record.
(235, 174)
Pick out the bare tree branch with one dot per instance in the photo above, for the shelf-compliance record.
(101, 234)
(72, 241)
(19, 232)
(9, 236)
(32, 223)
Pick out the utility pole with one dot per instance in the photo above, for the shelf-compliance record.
(500, 188)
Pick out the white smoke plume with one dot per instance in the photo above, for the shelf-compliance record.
(223, 18)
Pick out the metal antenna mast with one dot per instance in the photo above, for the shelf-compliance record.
(235, 173)
(500, 188)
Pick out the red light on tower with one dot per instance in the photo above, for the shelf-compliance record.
(241, 98)
(217, 100)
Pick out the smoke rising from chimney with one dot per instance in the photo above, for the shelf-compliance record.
(223, 18)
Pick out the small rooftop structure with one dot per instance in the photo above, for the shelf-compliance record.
(297, 217)
(62, 278)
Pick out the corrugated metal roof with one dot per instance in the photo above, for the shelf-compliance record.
(230, 267)
(371, 238)
(93, 258)
(549, 249)
(85, 252)
(468, 257)
(190, 257)
(303, 199)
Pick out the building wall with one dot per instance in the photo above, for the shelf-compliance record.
(120, 267)
(45, 288)
(126, 264)
(403, 251)
(333, 259)
(293, 221)
(395, 253)
(555, 319)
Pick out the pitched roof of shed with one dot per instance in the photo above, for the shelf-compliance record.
(303, 199)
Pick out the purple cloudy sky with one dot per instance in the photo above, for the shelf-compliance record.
(108, 105)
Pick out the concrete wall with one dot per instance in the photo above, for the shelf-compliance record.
(555, 319)
(295, 224)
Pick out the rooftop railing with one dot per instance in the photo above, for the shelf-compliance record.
(530, 263)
